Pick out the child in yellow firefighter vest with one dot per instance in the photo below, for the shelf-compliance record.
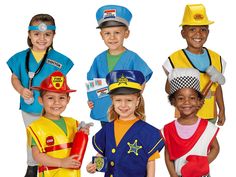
(195, 31)
(52, 134)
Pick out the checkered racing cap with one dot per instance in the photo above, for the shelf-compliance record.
(184, 78)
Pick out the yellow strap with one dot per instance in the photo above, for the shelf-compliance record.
(127, 84)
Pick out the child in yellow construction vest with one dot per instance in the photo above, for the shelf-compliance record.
(52, 134)
(195, 31)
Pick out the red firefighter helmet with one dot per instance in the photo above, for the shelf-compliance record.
(56, 82)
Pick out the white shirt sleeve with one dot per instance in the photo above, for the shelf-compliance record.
(223, 62)
(167, 66)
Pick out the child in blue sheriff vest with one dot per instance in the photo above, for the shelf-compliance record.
(31, 66)
(114, 21)
(129, 144)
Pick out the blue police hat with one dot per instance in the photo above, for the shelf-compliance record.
(113, 15)
(125, 81)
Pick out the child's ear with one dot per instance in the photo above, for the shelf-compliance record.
(183, 33)
(200, 103)
(172, 102)
(29, 35)
(101, 34)
(127, 32)
(40, 100)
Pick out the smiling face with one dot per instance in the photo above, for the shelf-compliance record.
(114, 38)
(125, 105)
(196, 37)
(54, 104)
(41, 40)
(187, 101)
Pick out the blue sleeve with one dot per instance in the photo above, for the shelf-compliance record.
(152, 139)
(14, 65)
(60, 58)
(67, 66)
(141, 65)
(99, 141)
(99, 68)
(92, 73)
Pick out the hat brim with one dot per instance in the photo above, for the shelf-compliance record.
(57, 91)
(123, 91)
(197, 24)
(111, 23)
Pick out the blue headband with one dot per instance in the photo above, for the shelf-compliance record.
(42, 27)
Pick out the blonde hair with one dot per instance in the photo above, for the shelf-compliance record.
(139, 111)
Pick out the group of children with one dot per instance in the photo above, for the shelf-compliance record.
(126, 145)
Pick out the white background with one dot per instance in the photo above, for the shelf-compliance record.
(155, 34)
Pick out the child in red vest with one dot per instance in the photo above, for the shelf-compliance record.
(191, 143)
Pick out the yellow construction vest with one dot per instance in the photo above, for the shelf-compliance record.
(180, 59)
(53, 141)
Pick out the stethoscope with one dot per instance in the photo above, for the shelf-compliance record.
(31, 74)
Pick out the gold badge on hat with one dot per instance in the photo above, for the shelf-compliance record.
(123, 80)
(57, 81)
(198, 17)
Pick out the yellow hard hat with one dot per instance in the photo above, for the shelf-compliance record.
(195, 14)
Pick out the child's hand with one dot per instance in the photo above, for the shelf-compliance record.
(221, 118)
(70, 162)
(90, 104)
(91, 167)
(26, 93)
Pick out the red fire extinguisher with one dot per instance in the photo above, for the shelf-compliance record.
(80, 143)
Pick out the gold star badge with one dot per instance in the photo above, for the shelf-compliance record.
(123, 80)
(134, 147)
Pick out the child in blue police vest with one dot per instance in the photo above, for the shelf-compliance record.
(130, 144)
(29, 67)
(195, 30)
(52, 134)
(191, 143)
(114, 21)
